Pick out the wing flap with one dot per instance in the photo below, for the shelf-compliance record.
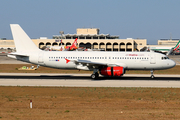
(89, 63)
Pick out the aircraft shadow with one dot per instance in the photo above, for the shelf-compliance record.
(70, 77)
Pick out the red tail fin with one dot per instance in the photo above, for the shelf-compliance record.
(74, 43)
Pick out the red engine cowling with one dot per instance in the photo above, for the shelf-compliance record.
(112, 71)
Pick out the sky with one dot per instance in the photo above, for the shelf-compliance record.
(146, 19)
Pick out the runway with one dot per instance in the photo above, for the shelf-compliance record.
(84, 80)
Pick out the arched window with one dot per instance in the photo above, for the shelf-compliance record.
(54, 44)
(88, 45)
(122, 47)
(41, 44)
(82, 45)
(68, 44)
(95, 45)
(48, 44)
(108, 46)
(128, 46)
(115, 46)
(102, 46)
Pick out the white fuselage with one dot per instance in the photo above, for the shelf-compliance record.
(128, 60)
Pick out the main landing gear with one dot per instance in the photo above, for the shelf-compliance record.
(152, 74)
(95, 74)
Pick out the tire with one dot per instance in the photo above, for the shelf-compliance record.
(152, 76)
(93, 76)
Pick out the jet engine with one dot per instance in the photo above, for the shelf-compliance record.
(112, 71)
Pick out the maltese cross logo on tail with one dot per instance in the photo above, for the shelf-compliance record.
(67, 60)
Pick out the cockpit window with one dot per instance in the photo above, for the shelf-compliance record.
(164, 58)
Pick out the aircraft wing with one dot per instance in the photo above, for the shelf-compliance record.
(96, 64)
(170, 51)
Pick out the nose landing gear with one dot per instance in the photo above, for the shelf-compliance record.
(152, 74)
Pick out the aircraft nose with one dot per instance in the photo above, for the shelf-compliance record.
(172, 63)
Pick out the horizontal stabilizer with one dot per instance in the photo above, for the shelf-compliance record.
(18, 54)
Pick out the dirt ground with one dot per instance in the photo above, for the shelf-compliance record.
(59, 103)
(89, 103)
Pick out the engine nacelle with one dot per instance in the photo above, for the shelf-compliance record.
(112, 71)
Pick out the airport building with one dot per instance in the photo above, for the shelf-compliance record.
(169, 42)
(165, 43)
(88, 38)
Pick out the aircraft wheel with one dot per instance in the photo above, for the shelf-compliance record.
(152, 76)
(95, 76)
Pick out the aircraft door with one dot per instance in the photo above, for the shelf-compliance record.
(153, 59)
(40, 58)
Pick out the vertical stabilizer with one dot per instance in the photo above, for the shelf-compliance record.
(22, 41)
(177, 46)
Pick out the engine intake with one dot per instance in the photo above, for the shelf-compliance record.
(112, 71)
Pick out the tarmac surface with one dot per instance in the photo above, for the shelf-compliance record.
(84, 80)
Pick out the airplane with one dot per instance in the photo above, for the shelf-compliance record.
(72, 47)
(166, 50)
(100, 62)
